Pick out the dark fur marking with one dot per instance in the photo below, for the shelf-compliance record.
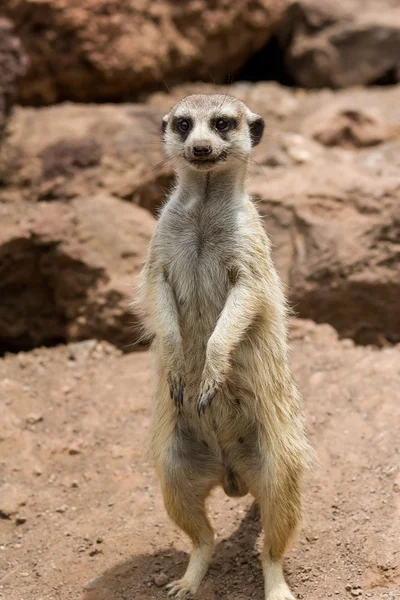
(175, 128)
(207, 187)
(233, 275)
(232, 485)
(200, 244)
(224, 134)
(256, 130)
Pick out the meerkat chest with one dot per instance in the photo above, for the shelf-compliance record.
(199, 255)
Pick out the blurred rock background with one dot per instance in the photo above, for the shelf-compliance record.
(91, 79)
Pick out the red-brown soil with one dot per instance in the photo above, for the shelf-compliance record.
(81, 509)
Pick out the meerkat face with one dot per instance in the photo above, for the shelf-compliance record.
(210, 132)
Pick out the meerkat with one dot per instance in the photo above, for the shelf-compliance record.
(225, 409)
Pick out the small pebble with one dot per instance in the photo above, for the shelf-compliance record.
(93, 583)
(161, 579)
(34, 418)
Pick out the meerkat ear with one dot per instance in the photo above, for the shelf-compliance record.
(256, 126)
(164, 123)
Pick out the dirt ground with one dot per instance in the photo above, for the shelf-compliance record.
(81, 510)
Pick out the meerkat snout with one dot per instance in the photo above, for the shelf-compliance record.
(202, 151)
(210, 132)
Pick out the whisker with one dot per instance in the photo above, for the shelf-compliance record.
(165, 83)
(162, 163)
(246, 158)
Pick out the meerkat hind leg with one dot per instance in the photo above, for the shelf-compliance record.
(198, 566)
(280, 517)
(276, 587)
(186, 506)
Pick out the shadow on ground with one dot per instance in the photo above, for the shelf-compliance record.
(235, 571)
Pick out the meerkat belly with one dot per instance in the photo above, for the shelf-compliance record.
(198, 274)
(223, 442)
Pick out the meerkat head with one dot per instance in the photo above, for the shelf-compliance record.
(210, 131)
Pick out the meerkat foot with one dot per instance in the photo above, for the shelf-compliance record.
(180, 588)
(276, 587)
(281, 592)
(197, 568)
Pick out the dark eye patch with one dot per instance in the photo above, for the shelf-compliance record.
(182, 126)
(223, 125)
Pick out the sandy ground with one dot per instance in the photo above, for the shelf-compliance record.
(81, 510)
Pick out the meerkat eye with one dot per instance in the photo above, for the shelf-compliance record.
(183, 125)
(222, 124)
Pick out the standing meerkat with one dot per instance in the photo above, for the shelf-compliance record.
(225, 410)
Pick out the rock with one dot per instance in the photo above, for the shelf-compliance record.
(326, 174)
(13, 64)
(34, 418)
(12, 497)
(161, 579)
(341, 44)
(93, 583)
(21, 518)
(68, 271)
(68, 151)
(109, 50)
(348, 127)
(335, 232)
(73, 450)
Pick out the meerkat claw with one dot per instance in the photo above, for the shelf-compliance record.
(176, 387)
(178, 589)
(204, 400)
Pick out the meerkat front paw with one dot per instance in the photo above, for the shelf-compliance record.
(176, 387)
(208, 389)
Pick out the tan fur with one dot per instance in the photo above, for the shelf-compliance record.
(215, 308)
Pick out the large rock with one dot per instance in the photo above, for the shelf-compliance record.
(111, 50)
(13, 64)
(71, 150)
(67, 271)
(342, 43)
(336, 238)
(331, 203)
(326, 175)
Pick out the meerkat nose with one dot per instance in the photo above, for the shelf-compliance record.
(202, 150)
